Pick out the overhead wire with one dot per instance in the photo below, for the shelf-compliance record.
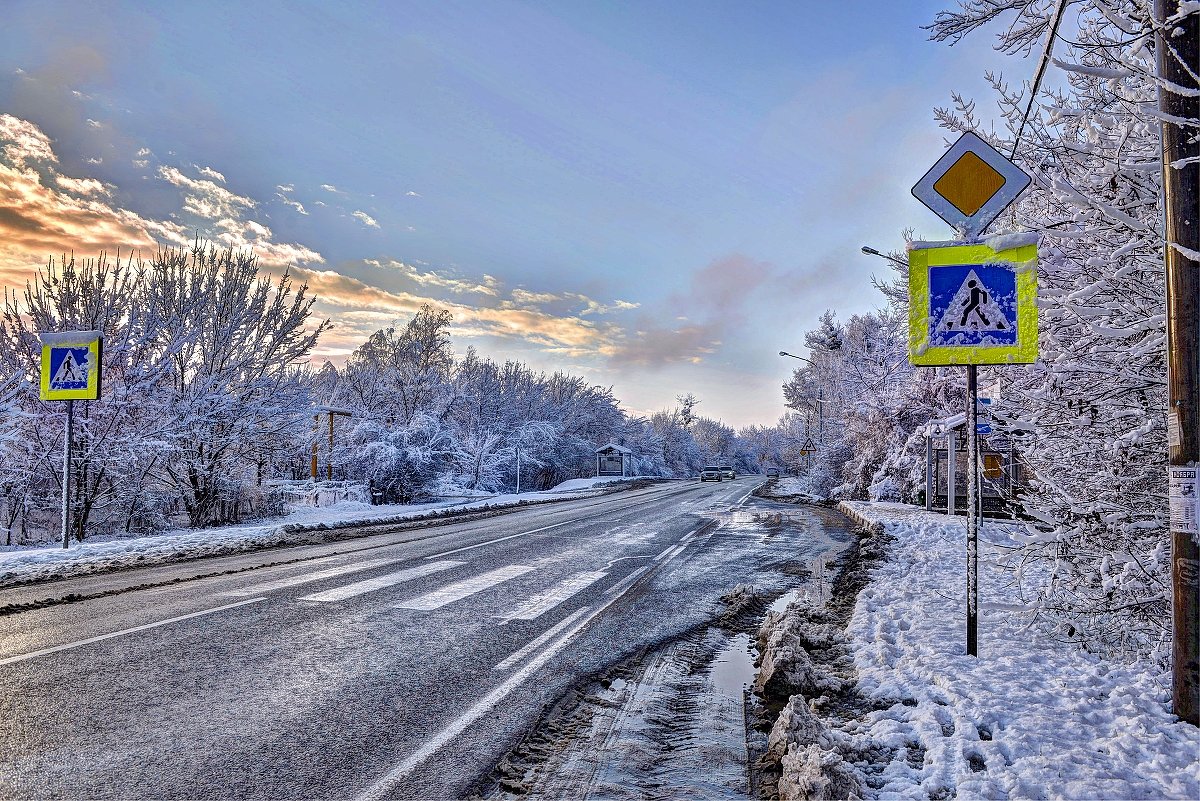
(1041, 70)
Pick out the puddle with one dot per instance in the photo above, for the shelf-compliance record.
(733, 668)
(781, 603)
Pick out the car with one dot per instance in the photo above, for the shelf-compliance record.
(772, 472)
(710, 474)
(727, 472)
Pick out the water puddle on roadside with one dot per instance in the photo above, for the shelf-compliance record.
(732, 670)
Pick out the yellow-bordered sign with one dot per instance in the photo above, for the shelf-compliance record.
(71, 365)
(970, 304)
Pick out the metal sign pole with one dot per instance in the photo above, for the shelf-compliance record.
(66, 487)
(972, 517)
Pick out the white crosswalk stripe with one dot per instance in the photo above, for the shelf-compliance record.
(306, 578)
(380, 582)
(547, 600)
(462, 589)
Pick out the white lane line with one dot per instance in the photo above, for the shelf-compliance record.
(123, 632)
(379, 582)
(533, 645)
(669, 554)
(548, 599)
(619, 589)
(385, 785)
(463, 589)
(501, 539)
(305, 578)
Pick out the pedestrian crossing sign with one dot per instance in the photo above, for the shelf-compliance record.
(970, 304)
(71, 365)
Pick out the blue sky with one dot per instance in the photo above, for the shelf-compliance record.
(659, 196)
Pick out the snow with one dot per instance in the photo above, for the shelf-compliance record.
(792, 487)
(23, 564)
(997, 242)
(1031, 717)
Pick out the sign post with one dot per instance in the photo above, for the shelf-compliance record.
(70, 371)
(971, 303)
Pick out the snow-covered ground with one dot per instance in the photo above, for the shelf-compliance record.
(1031, 717)
(24, 564)
(791, 487)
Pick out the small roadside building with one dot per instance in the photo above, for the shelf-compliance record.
(614, 460)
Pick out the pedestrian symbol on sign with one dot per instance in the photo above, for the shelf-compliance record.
(972, 305)
(68, 368)
(972, 309)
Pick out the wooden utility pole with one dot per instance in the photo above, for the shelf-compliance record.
(1178, 53)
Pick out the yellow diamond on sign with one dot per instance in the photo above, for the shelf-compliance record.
(969, 183)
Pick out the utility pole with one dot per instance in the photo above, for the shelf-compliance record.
(1177, 44)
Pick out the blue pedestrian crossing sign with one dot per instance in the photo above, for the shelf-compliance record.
(971, 304)
(71, 365)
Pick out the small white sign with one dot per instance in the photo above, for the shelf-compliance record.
(1183, 499)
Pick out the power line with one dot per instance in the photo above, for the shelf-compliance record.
(1041, 70)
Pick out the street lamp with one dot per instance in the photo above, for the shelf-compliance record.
(794, 356)
(870, 251)
(820, 401)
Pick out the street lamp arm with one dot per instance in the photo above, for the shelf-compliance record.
(794, 356)
(870, 251)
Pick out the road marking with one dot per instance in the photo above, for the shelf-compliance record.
(669, 554)
(463, 589)
(533, 645)
(619, 589)
(306, 578)
(123, 632)
(502, 539)
(548, 599)
(379, 582)
(385, 785)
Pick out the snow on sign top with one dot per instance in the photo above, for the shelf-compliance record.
(970, 185)
(972, 304)
(71, 365)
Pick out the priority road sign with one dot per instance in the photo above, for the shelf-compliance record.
(71, 365)
(970, 304)
(970, 185)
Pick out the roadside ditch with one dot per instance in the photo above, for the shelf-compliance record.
(743, 705)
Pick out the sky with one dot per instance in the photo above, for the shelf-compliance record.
(658, 196)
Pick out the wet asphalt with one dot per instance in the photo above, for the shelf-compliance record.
(294, 679)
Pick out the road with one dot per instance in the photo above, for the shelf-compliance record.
(397, 665)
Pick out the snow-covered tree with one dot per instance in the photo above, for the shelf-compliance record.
(1092, 409)
(232, 339)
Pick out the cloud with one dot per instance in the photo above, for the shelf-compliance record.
(209, 172)
(360, 309)
(24, 143)
(486, 286)
(205, 198)
(332, 188)
(525, 297)
(82, 186)
(716, 305)
(44, 213)
(38, 221)
(365, 219)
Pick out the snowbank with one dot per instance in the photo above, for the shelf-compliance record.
(1032, 717)
(24, 564)
(576, 484)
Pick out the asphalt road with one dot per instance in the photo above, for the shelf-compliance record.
(397, 665)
